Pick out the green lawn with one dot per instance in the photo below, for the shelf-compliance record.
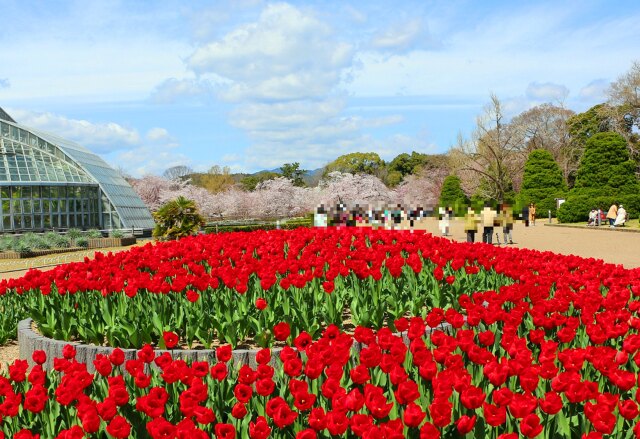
(631, 224)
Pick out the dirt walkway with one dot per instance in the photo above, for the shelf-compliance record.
(610, 245)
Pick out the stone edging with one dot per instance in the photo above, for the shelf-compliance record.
(30, 341)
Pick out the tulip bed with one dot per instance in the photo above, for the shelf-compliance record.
(233, 287)
(539, 345)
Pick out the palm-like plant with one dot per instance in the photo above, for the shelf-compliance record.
(177, 218)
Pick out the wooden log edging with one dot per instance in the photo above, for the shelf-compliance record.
(30, 341)
(111, 242)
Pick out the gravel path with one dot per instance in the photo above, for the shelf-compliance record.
(616, 246)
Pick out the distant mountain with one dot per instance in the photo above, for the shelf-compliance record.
(277, 170)
(311, 177)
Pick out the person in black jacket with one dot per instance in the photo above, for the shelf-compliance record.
(525, 215)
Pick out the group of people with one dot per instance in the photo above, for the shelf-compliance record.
(488, 220)
(617, 216)
(388, 217)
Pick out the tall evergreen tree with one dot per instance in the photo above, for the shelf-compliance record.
(452, 194)
(542, 182)
(606, 175)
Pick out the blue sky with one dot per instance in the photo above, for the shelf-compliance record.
(252, 84)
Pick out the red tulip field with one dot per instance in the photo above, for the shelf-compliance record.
(359, 333)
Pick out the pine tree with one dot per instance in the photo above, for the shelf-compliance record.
(542, 182)
(452, 194)
(606, 175)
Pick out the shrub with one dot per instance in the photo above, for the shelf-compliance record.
(82, 242)
(453, 196)
(288, 225)
(21, 246)
(606, 175)
(74, 234)
(36, 242)
(117, 233)
(58, 241)
(577, 207)
(177, 218)
(94, 234)
(6, 243)
(542, 182)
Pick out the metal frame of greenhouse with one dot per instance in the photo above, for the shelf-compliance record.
(49, 183)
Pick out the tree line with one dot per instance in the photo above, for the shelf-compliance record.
(541, 154)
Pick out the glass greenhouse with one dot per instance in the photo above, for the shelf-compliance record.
(47, 182)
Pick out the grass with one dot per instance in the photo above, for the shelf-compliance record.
(631, 224)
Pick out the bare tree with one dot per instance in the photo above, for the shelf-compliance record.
(176, 172)
(493, 155)
(545, 127)
(624, 107)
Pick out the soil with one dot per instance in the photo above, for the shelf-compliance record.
(616, 246)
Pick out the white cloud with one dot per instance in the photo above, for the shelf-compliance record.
(4, 83)
(403, 36)
(547, 91)
(595, 90)
(99, 137)
(158, 134)
(173, 89)
(285, 54)
(150, 159)
(124, 147)
(504, 53)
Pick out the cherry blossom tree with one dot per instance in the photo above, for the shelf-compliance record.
(422, 189)
(354, 188)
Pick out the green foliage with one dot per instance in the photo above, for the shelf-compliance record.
(6, 242)
(393, 178)
(82, 242)
(35, 242)
(583, 126)
(22, 246)
(606, 175)
(357, 163)
(452, 195)
(288, 225)
(94, 234)
(250, 182)
(215, 180)
(577, 207)
(177, 218)
(117, 233)
(605, 164)
(293, 172)
(405, 164)
(542, 182)
(74, 234)
(56, 240)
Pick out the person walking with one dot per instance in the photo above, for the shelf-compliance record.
(532, 214)
(445, 220)
(487, 218)
(612, 214)
(470, 224)
(506, 215)
(525, 215)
